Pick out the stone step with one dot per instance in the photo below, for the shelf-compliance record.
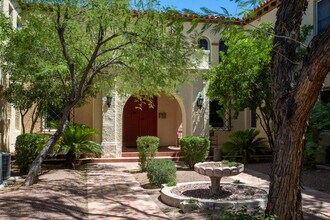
(159, 154)
(124, 159)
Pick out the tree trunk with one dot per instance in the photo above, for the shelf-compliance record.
(70, 159)
(294, 95)
(284, 194)
(32, 176)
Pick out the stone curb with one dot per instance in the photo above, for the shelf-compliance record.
(180, 201)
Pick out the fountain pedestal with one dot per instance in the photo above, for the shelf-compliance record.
(217, 170)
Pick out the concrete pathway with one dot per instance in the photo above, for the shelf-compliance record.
(113, 193)
(313, 200)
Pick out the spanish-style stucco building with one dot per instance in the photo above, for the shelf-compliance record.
(187, 112)
(121, 123)
(10, 126)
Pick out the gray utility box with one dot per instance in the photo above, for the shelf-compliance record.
(5, 164)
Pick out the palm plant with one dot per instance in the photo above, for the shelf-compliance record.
(244, 143)
(76, 141)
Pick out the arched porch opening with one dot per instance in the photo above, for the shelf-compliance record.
(167, 115)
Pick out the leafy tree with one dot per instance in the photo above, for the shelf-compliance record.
(241, 80)
(295, 88)
(29, 90)
(244, 143)
(83, 45)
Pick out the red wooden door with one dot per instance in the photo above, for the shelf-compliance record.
(138, 122)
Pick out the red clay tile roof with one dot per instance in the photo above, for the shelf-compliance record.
(257, 12)
(261, 10)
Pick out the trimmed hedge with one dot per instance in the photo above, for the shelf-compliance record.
(148, 148)
(27, 148)
(194, 150)
(161, 172)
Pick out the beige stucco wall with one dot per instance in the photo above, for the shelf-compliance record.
(308, 18)
(9, 118)
(167, 127)
(90, 114)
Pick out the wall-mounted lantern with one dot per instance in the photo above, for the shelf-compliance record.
(200, 101)
(108, 100)
(162, 115)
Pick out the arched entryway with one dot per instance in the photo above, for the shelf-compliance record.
(138, 121)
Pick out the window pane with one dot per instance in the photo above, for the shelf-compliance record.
(222, 47)
(325, 96)
(52, 116)
(253, 119)
(204, 44)
(323, 15)
(215, 120)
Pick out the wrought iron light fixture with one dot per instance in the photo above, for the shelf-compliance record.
(108, 100)
(200, 101)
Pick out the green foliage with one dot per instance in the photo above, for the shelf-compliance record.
(83, 47)
(30, 73)
(229, 163)
(27, 148)
(161, 172)
(244, 143)
(319, 120)
(148, 148)
(75, 141)
(237, 182)
(194, 150)
(241, 80)
(242, 214)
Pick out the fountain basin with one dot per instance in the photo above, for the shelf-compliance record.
(172, 199)
(217, 169)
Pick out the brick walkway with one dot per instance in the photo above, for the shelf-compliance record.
(113, 193)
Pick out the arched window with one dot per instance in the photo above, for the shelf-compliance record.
(203, 44)
(222, 47)
(216, 121)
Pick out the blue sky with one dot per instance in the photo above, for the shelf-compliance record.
(195, 5)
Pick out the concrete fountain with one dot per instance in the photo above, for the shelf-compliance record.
(213, 195)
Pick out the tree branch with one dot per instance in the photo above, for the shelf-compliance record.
(316, 66)
(60, 30)
(60, 76)
(113, 48)
(103, 66)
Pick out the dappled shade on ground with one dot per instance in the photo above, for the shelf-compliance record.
(60, 194)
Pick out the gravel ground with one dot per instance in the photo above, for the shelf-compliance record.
(60, 194)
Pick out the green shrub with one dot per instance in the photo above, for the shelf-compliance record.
(148, 148)
(194, 150)
(27, 148)
(319, 120)
(245, 143)
(161, 172)
(242, 214)
(229, 163)
(75, 141)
